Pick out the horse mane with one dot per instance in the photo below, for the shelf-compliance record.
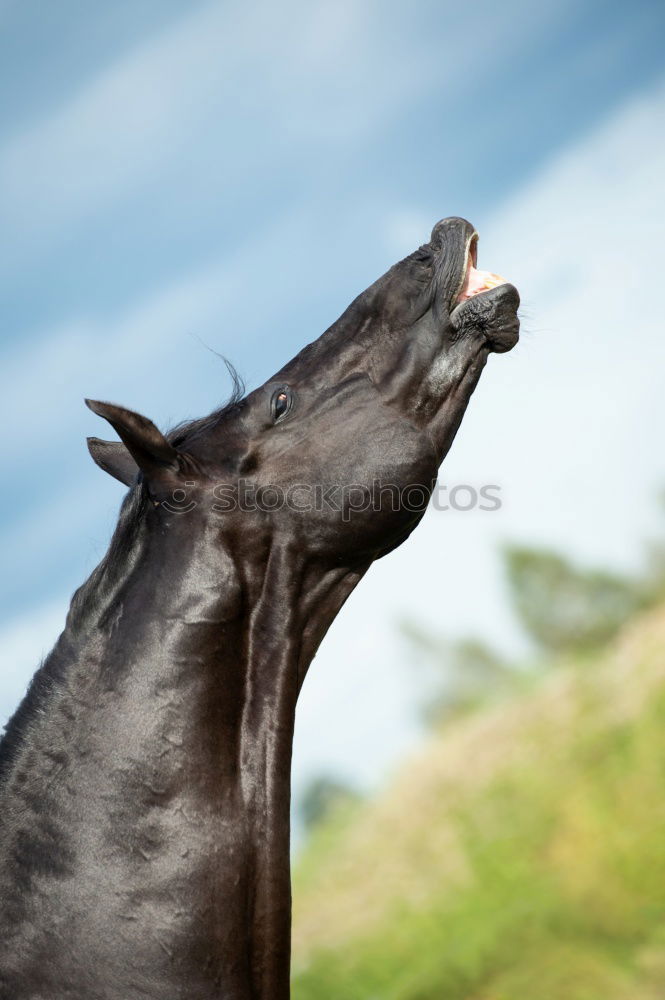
(187, 431)
(90, 599)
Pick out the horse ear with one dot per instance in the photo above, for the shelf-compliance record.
(113, 457)
(146, 445)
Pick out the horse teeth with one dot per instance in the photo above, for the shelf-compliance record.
(479, 281)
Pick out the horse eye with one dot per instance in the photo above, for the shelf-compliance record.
(281, 403)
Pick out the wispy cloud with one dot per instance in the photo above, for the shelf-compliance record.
(229, 83)
(232, 93)
(564, 424)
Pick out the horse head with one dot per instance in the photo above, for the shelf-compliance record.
(336, 454)
(152, 752)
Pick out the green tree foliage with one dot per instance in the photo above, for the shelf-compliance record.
(534, 873)
(458, 676)
(655, 573)
(322, 795)
(563, 607)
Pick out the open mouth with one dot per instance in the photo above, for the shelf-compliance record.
(476, 281)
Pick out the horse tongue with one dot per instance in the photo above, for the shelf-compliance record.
(478, 281)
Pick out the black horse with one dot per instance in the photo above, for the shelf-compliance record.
(145, 778)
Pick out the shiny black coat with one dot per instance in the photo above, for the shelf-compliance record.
(145, 779)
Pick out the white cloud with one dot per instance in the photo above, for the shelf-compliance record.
(570, 424)
(565, 423)
(136, 355)
(197, 80)
(230, 82)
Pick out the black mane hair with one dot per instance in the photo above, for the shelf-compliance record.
(189, 430)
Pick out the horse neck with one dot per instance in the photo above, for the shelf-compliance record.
(193, 651)
(175, 693)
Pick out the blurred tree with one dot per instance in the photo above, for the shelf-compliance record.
(459, 675)
(655, 575)
(321, 796)
(563, 607)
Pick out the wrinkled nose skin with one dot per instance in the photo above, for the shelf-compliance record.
(493, 313)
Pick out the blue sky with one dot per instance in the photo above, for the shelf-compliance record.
(235, 173)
